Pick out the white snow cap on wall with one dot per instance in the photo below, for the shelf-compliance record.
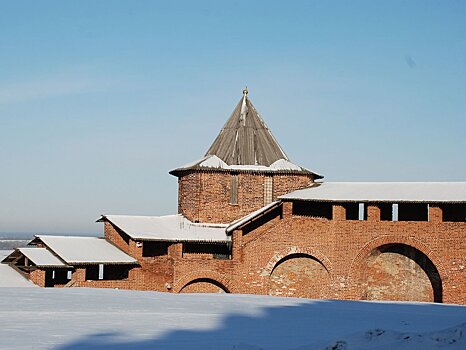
(167, 228)
(86, 250)
(449, 192)
(214, 162)
(42, 257)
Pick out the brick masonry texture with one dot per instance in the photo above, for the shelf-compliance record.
(38, 277)
(290, 255)
(301, 256)
(347, 248)
(205, 196)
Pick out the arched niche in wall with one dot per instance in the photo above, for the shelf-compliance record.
(397, 271)
(299, 275)
(204, 285)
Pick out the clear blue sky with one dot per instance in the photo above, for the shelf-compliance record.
(100, 99)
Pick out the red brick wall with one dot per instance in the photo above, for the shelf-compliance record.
(347, 248)
(38, 277)
(300, 276)
(114, 235)
(285, 183)
(153, 273)
(189, 189)
(205, 196)
(337, 259)
(392, 276)
(191, 268)
(79, 280)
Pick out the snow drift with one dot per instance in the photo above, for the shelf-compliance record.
(79, 318)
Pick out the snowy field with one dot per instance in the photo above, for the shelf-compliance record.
(9, 277)
(79, 318)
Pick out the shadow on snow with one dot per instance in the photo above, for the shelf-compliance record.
(314, 323)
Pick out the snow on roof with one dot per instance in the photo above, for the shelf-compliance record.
(383, 191)
(42, 257)
(213, 162)
(167, 228)
(245, 143)
(86, 250)
(237, 223)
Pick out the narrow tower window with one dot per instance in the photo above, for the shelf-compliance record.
(234, 189)
(268, 189)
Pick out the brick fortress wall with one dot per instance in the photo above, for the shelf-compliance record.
(351, 259)
(293, 255)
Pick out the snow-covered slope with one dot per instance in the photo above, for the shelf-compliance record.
(450, 338)
(9, 277)
(75, 318)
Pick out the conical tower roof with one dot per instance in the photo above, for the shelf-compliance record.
(245, 139)
(245, 144)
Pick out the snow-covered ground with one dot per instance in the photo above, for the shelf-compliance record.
(9, 277)
(79, 318)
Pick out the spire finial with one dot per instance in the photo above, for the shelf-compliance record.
(245, 91)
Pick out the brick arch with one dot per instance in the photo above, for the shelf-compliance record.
(203, 275)
(360, 259)
(273, 262)
(309, 252)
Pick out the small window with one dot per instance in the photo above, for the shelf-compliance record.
(454, 212)
(351, 211)
(116, 272)
(106, 272)
(218, 251)
(150, 249)
(268, 190)
(321, 210)
(386, 211)
(234, 189)
(92, 272)
(60, 276)
(413, 212)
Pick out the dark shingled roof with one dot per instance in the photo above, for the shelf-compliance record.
(245, 139)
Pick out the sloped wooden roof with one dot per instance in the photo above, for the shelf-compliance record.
(245, 139)
(245, 144)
